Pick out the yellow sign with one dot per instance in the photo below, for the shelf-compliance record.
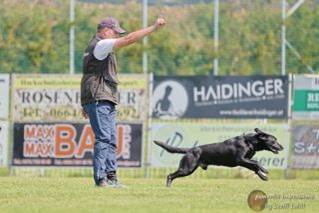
(137, 81)
(56, 97)
(46, 81)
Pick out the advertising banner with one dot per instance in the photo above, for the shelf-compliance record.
(58, 98)
(306, 97)
(133, 92)
(305, 142)
(46, 98)
(194, 134)
(3, 144)
(4, 96)
(220, 97)
(71, 144)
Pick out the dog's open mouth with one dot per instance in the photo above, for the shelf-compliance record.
(275, 149)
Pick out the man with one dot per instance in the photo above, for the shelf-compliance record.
(99, 92)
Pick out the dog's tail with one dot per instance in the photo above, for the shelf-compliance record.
(171, 149)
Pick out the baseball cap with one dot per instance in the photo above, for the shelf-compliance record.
(111, 23)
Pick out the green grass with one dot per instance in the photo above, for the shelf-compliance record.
(62, 194)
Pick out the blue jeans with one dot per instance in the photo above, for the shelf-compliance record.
(102, 119)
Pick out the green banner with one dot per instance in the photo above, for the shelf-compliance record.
(193, 134)
(305, 97)
(306, 100)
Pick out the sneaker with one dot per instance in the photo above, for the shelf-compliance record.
(102, 183)
(111, 175)
(115, 184)
(112, 180)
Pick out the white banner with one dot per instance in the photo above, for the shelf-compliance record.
(305, 146)
(4, 96)
(3, 144)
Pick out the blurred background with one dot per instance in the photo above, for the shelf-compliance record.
(35, 35)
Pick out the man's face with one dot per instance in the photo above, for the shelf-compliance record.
(109, 33)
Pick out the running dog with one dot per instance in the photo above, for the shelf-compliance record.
(236, 151)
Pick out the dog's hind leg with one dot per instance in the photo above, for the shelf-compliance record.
(187, 166)
(182, 171)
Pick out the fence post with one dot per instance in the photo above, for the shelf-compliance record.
(148, 126)
(289, 122)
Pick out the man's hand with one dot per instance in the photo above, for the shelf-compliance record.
(160, 22)
(84, 114)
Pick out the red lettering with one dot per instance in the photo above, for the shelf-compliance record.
(29, 131)
(64, 141)
(86, 142)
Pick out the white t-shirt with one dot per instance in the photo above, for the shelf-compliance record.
(103, 48)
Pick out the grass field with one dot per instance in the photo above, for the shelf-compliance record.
(48, 194)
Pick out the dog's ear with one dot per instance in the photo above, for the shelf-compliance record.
(261, 135)
(258, 131)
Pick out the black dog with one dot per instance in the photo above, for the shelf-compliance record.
(236, 151)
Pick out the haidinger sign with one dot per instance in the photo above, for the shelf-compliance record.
(71, 144)
(220, 97)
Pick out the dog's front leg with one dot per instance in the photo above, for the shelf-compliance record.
(264, 170)
(254, 166)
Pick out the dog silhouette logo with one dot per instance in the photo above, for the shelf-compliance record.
(170, 100)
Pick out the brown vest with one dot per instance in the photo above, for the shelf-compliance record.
(99, 80)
